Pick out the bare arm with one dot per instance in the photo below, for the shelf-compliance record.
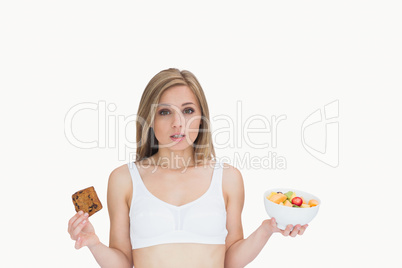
(109, 257)
(240, 251)
(118, 254)
(244, 251)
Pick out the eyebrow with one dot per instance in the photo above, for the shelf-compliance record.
(165, 104)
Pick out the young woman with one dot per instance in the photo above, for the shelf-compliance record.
(176, 205)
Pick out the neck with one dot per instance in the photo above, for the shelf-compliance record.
(174, 159)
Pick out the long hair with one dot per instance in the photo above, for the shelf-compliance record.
(147, 144)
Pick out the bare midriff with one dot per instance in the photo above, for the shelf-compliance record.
(180, 255)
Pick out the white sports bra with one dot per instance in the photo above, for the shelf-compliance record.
(154, 222)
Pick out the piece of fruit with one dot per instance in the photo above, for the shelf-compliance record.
(304, 201)
(313, 203)
(287, 203)
(297, 201)
(281, 204)
(278, 198)
(289, 194)
(293, 196)
(304, 206)
(270, 195)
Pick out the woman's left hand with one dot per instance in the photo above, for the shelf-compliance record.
(270, 227)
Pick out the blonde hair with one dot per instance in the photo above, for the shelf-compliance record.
(147, 145)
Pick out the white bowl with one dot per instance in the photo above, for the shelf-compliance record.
(289, 215)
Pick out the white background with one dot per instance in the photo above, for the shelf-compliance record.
(278, 58)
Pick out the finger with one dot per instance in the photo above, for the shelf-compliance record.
(73, 219)
(273, 222)
(78, 243)
(78, 229)
(82, 241)
(286, 232)
(303, 229)
(80, 219)
(77, 222)
(295, 230)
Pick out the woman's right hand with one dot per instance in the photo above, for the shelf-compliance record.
(82, 231)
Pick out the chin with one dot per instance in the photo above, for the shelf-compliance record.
(178, 147)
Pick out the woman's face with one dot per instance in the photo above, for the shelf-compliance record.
(178, 113)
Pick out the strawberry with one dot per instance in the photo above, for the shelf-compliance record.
(297, 201)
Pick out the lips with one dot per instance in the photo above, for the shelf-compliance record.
(178, 138)
(178, 134)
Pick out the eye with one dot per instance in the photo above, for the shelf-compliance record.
(164, 112)
(189, 111)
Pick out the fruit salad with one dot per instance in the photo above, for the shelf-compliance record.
(290, 199)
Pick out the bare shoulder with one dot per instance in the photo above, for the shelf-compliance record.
(233, 185)
(231, 175)
(120, 175)
(120, 182)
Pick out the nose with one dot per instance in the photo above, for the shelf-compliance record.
(177, 120)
